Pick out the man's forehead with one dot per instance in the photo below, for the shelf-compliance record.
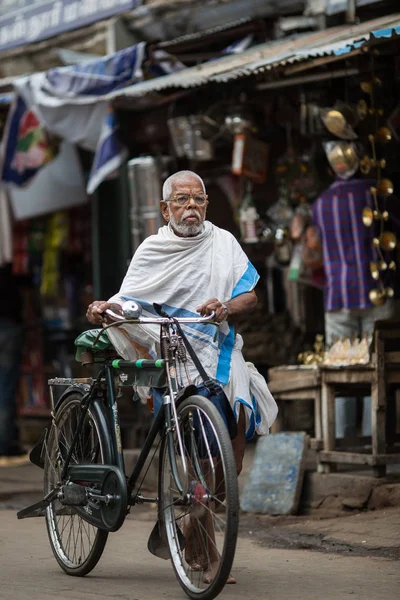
(187, 184)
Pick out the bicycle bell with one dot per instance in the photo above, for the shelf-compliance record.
(131, 309)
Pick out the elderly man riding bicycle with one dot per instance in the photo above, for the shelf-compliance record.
(191, 267)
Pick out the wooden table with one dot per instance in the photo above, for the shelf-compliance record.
(297, 382)
(358, 381)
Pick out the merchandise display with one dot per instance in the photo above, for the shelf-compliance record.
(54, 253)
(375, 215)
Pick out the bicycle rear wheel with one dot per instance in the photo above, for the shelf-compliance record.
(200, 524)
(76, 544)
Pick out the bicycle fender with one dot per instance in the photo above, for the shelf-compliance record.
(76, 388)
(97, 407)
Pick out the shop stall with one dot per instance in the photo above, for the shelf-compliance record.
(269, 131)
(268, 127)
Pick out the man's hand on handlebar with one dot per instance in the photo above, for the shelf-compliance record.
(214, 305)
(95, 312)
(100, 312)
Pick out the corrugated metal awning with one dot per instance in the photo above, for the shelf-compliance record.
(198, 35)
(335, 41)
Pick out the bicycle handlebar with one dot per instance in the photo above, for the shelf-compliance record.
(160, 320)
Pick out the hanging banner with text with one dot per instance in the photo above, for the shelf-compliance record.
(27, 21)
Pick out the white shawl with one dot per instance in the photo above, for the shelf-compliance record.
(180, 273)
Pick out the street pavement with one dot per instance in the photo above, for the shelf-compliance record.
(128, 572)
(281, 558)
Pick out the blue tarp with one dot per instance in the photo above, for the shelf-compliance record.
(65, 101)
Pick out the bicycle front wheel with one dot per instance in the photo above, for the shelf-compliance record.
(76, 544)
(200, 520)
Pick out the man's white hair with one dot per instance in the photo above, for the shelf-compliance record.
(173, 179)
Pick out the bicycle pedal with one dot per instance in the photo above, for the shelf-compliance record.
(35, 510)
(73, 494)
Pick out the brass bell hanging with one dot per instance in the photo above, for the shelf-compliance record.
(389, 292)
(369, 86)
(383, 135)
(367, 216)
(382, 265)
(387, 241)
(377, 297)
(385, 188)
(374, 269)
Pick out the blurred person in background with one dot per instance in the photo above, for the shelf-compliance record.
(345, 245)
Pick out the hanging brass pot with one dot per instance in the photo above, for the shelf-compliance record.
(376, 266)
(367, 216)
(368, 87)
(377, 297)
(383, 135)
(387, 241)
(385, 188)
(374, 269)
(389, 292)
(340, 121)
(342, 157)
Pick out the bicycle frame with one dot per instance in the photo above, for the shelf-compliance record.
(163, 421)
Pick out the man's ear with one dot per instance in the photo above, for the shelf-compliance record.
(164, 210)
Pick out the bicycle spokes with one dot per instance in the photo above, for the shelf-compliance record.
(201, 514)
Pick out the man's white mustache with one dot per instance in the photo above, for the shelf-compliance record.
(191, 213)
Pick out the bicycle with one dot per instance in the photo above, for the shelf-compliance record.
(86, 492)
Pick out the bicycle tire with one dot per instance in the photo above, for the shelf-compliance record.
(75, 564)
(192, 579)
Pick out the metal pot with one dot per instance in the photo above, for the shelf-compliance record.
(342, 157)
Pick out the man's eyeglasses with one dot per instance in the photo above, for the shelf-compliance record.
(183, 199)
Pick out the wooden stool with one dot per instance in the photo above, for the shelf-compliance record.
(297, 383)
(379, 378)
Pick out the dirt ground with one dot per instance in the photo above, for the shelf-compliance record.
(367, 534)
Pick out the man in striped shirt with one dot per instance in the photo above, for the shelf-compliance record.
(347, 252)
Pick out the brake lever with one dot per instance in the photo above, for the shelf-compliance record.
(114, 315)
(209, 317)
